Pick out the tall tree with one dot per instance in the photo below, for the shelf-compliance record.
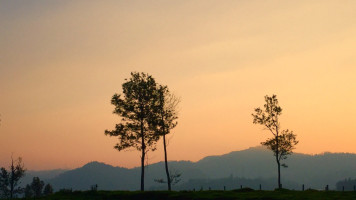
(283, 141)
(136, 108)
(10, 180)
(166, 120)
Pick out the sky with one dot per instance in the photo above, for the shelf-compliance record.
(61, 61)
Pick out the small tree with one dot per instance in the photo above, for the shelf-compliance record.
(48, 189)
(283, 141)
(37, 186)
(28, 191)
(10, 181)
(136, 109)
(166, 120)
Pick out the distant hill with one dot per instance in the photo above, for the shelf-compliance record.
(106, 176)
(253, 164)
(44, 175)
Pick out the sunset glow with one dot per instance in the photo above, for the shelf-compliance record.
(61, 62)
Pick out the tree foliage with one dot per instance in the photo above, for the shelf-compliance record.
(166, 111)
(135, 107)
(283, 141)
(284, 147)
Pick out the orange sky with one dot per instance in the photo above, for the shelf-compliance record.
(61, 61)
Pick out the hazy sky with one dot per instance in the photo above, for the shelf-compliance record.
(61, 62)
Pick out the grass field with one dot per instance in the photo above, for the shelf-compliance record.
(236, 194)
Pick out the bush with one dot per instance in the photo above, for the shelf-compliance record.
(246, 189)
(281, 190)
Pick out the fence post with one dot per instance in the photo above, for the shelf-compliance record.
(224, 188)
(327, 188)
(343, 188)
(209, 188)
(303, 188)
(240, 186)
(260, 187)
(354, 188)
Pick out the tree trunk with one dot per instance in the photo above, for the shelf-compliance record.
(166, 163)
(12, 178)
(279, 175)
(143, 166)
(278, 163)
(142, 158)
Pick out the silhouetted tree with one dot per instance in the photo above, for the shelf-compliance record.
(136, 108)
(37, 186)
(48, 189)
(166, 120)
(28, 191)
(10, 180)
(283, 141)
(4, 183)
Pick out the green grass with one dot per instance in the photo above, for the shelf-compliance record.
(236, 194)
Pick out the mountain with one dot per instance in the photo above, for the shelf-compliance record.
(248, 166)
(105, 176)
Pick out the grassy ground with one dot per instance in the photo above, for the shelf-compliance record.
(237, 194)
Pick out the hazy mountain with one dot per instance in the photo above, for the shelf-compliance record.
(105, 176)
(252, 166)
(43, 175)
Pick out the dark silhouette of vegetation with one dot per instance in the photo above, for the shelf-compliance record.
(94, 188)
(136, 107)
(28, 191)
(37, 188)
(10, 180)
(283, 141)
(48, 189)
(242, 194)
(165, 121)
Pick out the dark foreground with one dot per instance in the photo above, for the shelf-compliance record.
(237, 194)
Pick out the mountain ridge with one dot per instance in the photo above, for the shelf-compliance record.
(255, 163)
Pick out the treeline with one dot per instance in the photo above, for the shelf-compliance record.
(10, 183)
(38, 189)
